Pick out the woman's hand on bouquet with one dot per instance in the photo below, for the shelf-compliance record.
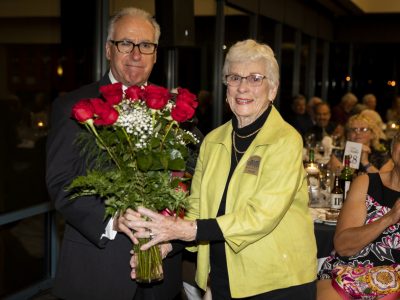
(165, 248)
(162, 228)
(125, 223)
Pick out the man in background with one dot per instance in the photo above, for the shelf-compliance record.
(323, 124)
(310, 107)
(299, 117)
(342, 112)
(369, 100)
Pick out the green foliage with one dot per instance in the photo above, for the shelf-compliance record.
(129, 188)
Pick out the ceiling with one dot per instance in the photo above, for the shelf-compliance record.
(50, 8)
(378, 6)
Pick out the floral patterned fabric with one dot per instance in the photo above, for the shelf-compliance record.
(367, 283)
(354, 274)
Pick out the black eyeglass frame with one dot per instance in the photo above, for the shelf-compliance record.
(116, 43)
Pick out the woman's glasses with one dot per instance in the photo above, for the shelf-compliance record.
(359, 129)
(252, 80)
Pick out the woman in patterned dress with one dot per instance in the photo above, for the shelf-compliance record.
(367, 235)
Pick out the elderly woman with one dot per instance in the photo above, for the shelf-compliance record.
(367, 237)
(249, 212)
(374, 156)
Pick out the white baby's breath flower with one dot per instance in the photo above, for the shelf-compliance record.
(135, 118)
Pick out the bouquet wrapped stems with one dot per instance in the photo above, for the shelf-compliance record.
(148, 262)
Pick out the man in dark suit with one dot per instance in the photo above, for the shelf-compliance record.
(94, 259)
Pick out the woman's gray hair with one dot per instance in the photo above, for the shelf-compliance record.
(133, 12)
(249, 51)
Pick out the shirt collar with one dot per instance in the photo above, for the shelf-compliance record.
(113, 80)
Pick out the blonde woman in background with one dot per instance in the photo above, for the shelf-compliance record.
(375, 154)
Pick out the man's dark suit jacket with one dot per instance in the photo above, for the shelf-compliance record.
(90, 267)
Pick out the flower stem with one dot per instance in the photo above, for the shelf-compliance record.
(130, 143)
(148, 263)
(169, 126)
(91, 127)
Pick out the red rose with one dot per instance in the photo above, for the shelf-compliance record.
(186, 96)
(183, 186)
(182, 111)
(156, 97)
(105, 113)
(134, 92)
(112, 93)
(83, 110)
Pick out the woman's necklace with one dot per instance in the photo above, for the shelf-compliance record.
(236, 150)
(249, 135)
(242, 137)
(234, 146)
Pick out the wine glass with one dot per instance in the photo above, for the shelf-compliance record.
(337, 142)
(309, 139)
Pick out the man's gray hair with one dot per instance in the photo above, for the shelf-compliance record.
(133, 12)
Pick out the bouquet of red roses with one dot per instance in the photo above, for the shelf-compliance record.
(139, 145)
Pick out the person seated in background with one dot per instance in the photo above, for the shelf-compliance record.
(359, 107)
(323, 125)
(299, 117)
(393, 113)
(369, 100)
(366, 262)
(375, 155)
(310, 107)
(342, 112)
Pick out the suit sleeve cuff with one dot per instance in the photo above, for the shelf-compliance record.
(109, 232)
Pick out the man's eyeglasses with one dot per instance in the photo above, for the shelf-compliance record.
(128, 46)
(253, 80)
(359, 129)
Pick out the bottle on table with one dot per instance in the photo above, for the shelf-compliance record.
(313, 178)
(337, 193)
(346, 176)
